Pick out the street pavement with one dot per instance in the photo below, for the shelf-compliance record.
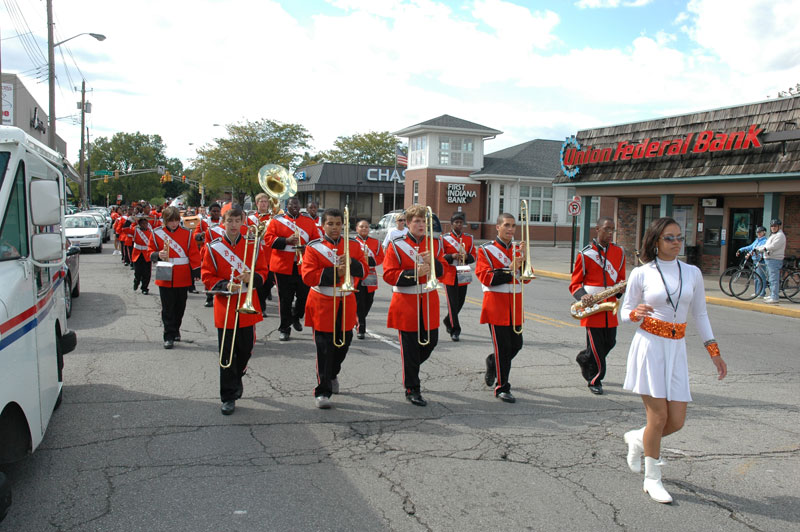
(139, 442)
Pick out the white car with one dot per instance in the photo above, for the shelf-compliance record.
(105, 225)
(83, 231)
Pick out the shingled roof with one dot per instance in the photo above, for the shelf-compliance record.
(779, 119)
(447, 122)
(535, 158)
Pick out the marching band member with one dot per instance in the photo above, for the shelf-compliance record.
(331, 326)
(207, 231)
(498, 270)
(121, 236)
(142, 234)
(185, 259)
(660, 294)
(599, 265)
(369, 284)
(287, 235)
(458, 251)
(114, 216)
(263, 215)
(226, 258)
(313, 209)
(413, 310)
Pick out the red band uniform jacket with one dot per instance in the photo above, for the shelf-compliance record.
(398, 271)
(451, 242)
(254, 219)
(216, 274)
(123, 237)
(211, 230)
(317, 272)
(141, 241)
(283, 255)
(500, 289)
(588, 278)
(374, 257)
(182, 263)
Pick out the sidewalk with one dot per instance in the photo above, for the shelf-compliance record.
(549, 261)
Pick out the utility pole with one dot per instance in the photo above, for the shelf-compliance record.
(51, 60)
(84, 189)
(88, 171)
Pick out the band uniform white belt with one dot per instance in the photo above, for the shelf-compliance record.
(507, 288)
(329, 291)
(140, 247)
(179, 260)
(417, 289)
(290, 249)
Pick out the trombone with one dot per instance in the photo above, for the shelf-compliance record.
(432, 283)
(229, 292)
(527, 268)
(347, 285)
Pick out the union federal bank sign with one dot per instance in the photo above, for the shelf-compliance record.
(573, 155)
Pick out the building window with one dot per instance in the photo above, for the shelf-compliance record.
(456, 151)
(501, 199)
(417, 148)
(415, 195)
(540, 202)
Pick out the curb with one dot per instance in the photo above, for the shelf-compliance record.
(733, 303)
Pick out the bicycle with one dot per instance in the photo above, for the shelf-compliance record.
(740, 282)
(743, 277)
(727, 276)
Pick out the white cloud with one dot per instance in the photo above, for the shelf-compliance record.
(592, 4)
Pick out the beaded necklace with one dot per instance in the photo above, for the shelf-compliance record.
(677, 301)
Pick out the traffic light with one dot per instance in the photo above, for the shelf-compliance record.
(105, 179)
(183, 178)
(200, 189)
(167, 177)
(116, 175)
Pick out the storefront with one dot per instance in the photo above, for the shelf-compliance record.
(369, 191)
(719, 173)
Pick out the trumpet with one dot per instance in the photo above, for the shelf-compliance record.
(298, 257)
(347, 284)
(597, 304)
(432, 283)
(527, 268)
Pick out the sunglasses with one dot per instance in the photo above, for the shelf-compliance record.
(670, 239)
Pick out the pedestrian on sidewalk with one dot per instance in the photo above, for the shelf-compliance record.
(761, 239)
(774, 250)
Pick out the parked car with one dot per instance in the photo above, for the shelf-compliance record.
(84, 231)
(104, 224)
(72, 280)
(389, 222)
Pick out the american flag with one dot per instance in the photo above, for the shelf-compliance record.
(402, 158)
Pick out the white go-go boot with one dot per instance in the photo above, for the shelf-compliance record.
(652, 481)
(635, 449)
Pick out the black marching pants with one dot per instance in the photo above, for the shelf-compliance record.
(173, 305)
(364, 299)
(329, 358)
(289, 287)
(141, 272)
(592, 360)
(414, 355)
(506, 344)
(456, 295)
(230, 379)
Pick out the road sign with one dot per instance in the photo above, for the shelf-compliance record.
(574, 208)
(119, 197)
(103, 172)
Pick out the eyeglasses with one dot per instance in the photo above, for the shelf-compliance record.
(670, 239)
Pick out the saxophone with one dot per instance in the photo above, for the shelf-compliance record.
(597, 304)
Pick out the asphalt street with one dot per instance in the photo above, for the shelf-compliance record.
(139, 442)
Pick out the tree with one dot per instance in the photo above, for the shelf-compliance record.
(231, 164)
(375, 147)
(309, 158)
(130, 153)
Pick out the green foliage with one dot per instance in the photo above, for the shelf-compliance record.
(309, 158)
(130, 153)
(375, 147)
(157, 200)
(231, 164)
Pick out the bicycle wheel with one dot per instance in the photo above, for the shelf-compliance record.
(725, 280)
(791, 287)
(744, 284)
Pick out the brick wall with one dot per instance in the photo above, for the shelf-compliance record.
(627, 217)
(791, 224)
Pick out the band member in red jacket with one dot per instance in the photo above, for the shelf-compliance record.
(206, 231)
(413, 310)
(459, 251)
(182, 253)
(369, 284)
(142, 234)
(323, 258)
(287, 235)
(498, 269)
(227, 262)
(599, 265)
(263, 215)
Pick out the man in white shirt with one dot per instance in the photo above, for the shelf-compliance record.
(394, 233)
(774, 250)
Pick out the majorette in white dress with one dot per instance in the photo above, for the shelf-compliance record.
(657, 366)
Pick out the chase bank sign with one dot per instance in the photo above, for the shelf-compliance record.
(386, 174)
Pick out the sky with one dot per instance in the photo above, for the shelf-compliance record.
(184, 69)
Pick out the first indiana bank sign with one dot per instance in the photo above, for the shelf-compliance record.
(573, 155)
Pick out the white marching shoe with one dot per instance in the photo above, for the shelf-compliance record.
(652, 481)
(635, 449)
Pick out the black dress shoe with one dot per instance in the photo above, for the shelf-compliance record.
(506, 397)
(264, 314)
(361, 336)
(228, 407)
(597, 389)
(168, 344)
(177, 338)
(283, 336)
(269, 296)
(454, 337)
(145, 291)
(490, 375)
(135, 286)
(297, 325)
(415, 398)
(209, 303)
